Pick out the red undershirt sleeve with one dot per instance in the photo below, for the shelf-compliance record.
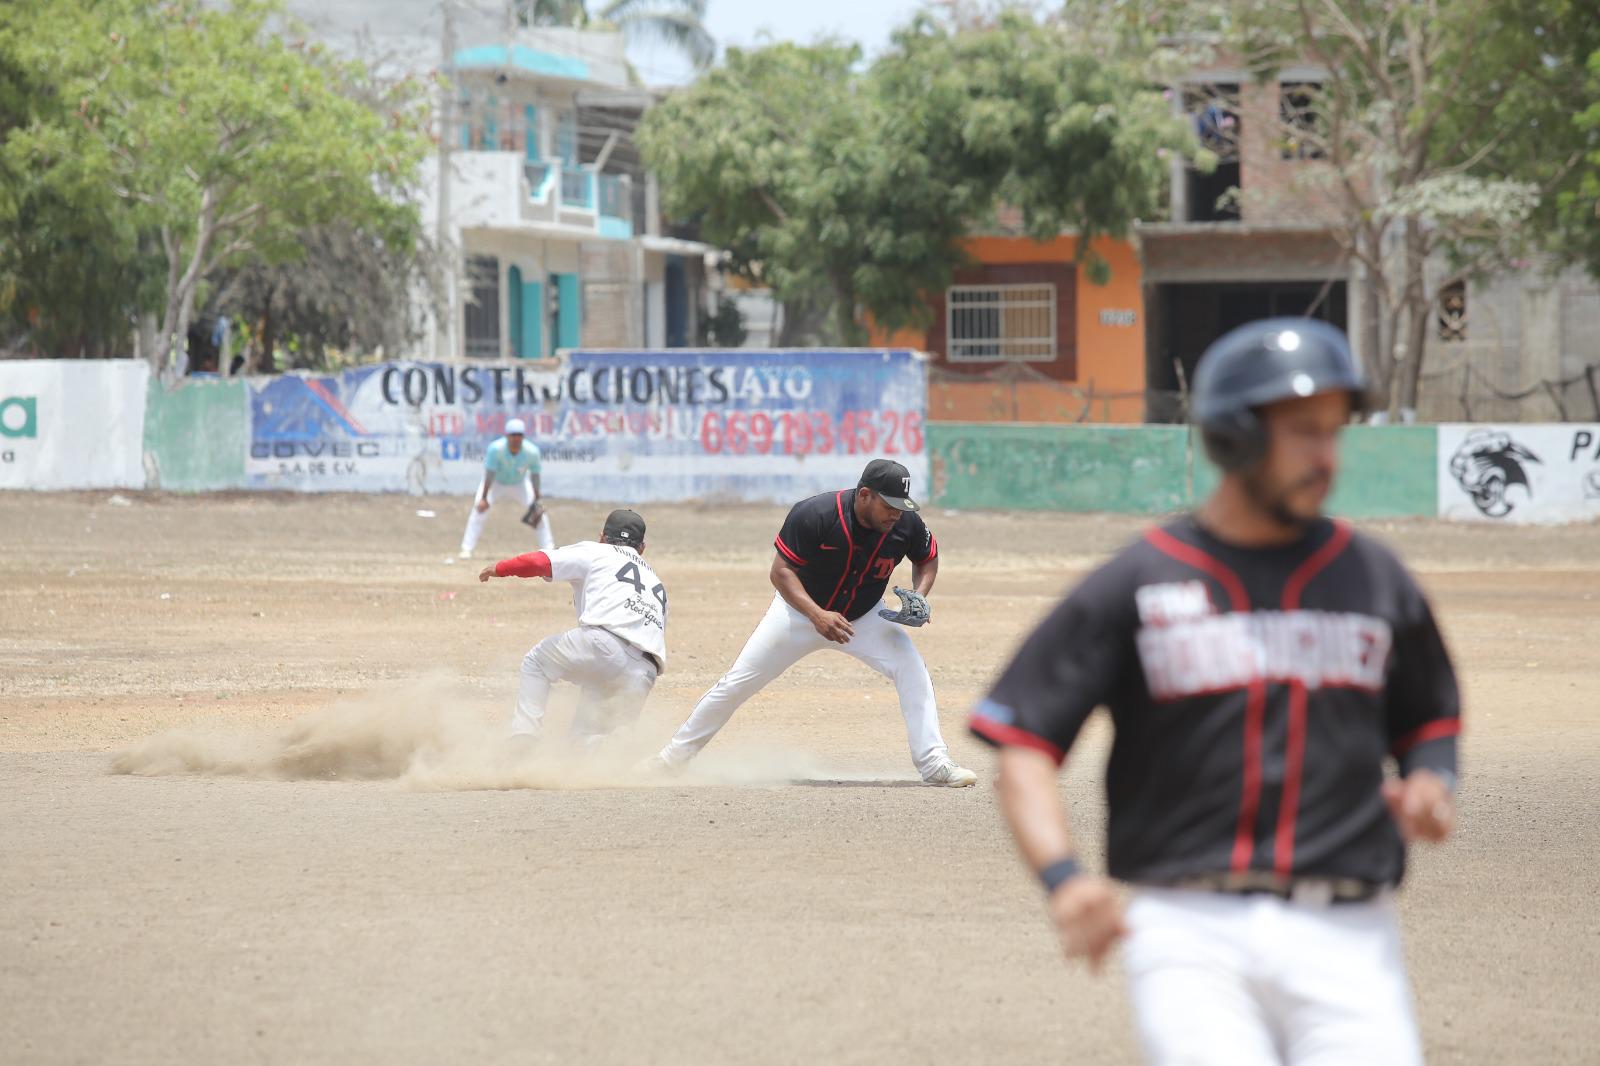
(533, 564)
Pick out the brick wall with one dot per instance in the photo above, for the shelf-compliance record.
(613, 295)
(1218, 253)
(1275, 189)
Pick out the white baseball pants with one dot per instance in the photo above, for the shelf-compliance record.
(783, 638)
(614, 679)
(1228, 980)
(476, 518)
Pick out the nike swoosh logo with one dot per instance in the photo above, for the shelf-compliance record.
(829, 547)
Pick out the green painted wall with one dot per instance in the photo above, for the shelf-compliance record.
(197, 435)
(1386, 471)
(996, 466)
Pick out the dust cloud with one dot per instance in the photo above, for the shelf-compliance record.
(431, 736)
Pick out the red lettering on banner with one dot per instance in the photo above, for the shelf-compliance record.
(796, 432)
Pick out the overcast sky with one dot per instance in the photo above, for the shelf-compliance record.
(732, 22)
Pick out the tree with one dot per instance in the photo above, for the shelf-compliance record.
(1034, 116)
(1405, 123)
(1538, 88)
(678, 23)
(218, 136)
(848, 189)
(350, 289)
(73, 271)
(353, 286)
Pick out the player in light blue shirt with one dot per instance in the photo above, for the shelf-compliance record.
(509, 462)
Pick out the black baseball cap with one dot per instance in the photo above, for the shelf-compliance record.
(624, 527)
(891, 481)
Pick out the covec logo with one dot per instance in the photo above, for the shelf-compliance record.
(19, 416)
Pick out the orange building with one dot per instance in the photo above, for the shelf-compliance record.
(1022, 335)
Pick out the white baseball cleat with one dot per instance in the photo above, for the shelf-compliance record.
(521, 745)
(948, 775)
(660, 766)
(464, 553)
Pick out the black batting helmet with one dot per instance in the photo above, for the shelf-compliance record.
(1261, 363)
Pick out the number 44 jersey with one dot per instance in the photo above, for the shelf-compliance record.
(615, 589)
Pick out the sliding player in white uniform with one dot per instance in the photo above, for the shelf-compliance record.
(618, 648)
(510, 462)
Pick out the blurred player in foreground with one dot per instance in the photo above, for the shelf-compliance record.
(1259, 662)
(619, 646)
(510, 462)
(833, 559)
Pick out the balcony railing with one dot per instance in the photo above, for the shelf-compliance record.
(577, 189)
(553, 191)
(616, 195)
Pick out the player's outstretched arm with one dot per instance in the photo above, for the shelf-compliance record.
(533, 564)
(1086, 909)
(831, 624)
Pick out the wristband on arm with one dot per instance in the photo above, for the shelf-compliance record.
(1059, 873)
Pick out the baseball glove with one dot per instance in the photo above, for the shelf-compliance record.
(914, 610)
(535, 513)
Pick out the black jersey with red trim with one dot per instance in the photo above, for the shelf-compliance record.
(843, 565)
(1254, 694)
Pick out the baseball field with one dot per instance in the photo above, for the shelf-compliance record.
(253, 807)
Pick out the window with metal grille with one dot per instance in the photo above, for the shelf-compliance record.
(1298, 104)
(483, 307)
(1453, 312)
(1001, 323)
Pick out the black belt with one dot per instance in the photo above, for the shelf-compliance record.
(1315, 891)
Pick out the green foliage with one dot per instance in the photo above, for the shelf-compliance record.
(215, 137)
(835, 185)
(1031, 116)
(760, 152)
(1579, 209)
(72, 271)
(1535, 85)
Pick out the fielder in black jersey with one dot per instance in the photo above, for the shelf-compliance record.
(1259, 663)
(842, 563)
(832, 560)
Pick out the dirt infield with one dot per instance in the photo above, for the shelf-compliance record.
(377, 883)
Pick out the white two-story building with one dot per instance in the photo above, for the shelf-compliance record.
(547, 208)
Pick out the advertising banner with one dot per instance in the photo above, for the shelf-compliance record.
(1519, 473)
(641, 426)
(72, 424)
